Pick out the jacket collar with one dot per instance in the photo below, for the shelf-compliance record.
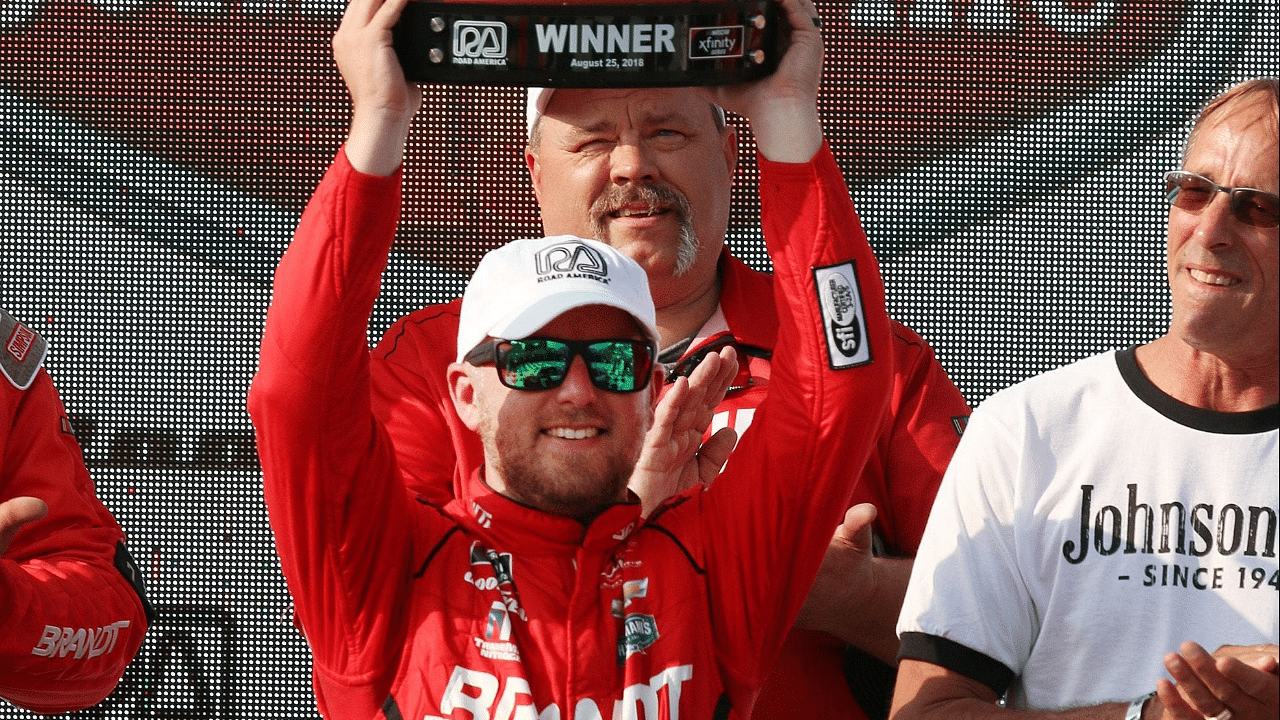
(510, 523)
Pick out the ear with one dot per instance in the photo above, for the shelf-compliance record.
(462, 391)
(730, 149)
(535, 172)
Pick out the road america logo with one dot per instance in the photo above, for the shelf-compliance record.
(479, 42)
(570, 260)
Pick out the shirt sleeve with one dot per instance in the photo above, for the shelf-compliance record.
(436, 452)
(72, 620)
(967, 607)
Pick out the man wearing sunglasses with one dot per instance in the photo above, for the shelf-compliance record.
(650, 171)
(540, 591)
(1104, 523)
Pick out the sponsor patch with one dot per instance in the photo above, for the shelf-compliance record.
(631, 589)
(638, 632)
(79, 643)
(843, 317)
(496, 644)
(490, 571)
(24, 351)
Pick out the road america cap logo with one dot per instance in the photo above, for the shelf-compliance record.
(570, 260)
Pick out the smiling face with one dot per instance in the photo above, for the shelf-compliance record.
(569, 450)
(647, 171)
(1222, 272)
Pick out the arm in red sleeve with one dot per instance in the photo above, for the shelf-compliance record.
(785, 487)
(926, 417)
(71, 619)
(334, 497)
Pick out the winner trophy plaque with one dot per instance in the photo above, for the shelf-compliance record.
(597, 45)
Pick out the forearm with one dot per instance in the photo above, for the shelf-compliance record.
(788, 133)
(925, 691)
(70, 628)
(974, 709)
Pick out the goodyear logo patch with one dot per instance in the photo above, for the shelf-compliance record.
(843, 316)
(23, 352)
(638, 632)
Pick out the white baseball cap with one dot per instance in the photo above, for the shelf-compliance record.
(535, 105)
(538, 98)
(526, 284)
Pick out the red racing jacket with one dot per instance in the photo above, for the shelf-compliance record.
(71, 619)
(478, 607)
(917, 437)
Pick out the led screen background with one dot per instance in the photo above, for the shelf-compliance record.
(154, 157)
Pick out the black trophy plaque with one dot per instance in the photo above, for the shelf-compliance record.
(599, 45)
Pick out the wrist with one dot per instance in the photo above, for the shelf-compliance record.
(1135, 709)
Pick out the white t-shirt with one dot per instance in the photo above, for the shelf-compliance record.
(1087, 525)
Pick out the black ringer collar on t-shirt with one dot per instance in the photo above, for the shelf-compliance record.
(1223, 423)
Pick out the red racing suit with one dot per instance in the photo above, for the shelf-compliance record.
(71, 620)
(915, 443)
(478, 607)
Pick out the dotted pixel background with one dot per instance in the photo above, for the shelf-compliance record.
(154, 158)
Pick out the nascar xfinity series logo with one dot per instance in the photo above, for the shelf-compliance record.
(479, 42)
(715, 42)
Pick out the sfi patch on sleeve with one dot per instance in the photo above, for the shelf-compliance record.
(843, 316)
(23, 351)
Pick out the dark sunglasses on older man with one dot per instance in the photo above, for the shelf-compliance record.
(540, 363)
(1191, 192)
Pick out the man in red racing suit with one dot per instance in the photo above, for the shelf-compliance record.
(917, 437)
(71, 603)
(480, 607)
(438, 454)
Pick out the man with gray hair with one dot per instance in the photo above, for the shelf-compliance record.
(1105, 522)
